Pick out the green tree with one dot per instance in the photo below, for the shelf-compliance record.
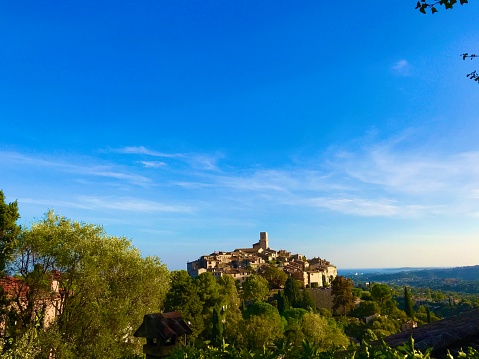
(384, 326)
(9, 230)
(341, 290)
(209, 292)
(275, 277)
(408, 303)
(183, 297)
(292, 292)
(217, 332)
(381, 294)
(293, 332)
(366, 309)
(104, 288)
(323, 332)
(283, 302)
(261, 326)
(255, 287)
(232, 316)
(229, 292)
(307, 301)
(260, 308)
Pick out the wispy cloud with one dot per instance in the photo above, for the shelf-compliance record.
(372, 208)
(72, 166)
(401, 68)
(153, 164)
(130, 204)
(195, 160)
(383, 178)
(141, 150)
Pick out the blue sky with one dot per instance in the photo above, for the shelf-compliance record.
(347, 130)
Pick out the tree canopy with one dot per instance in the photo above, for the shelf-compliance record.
(99, 285)
(9, 230)
(341, 290)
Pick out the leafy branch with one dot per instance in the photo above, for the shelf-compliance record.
(423, 6)
(473, 75)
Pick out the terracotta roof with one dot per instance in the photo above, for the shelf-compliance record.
(13, 286)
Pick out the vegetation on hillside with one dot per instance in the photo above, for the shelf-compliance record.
(72, 290)
(100, 287)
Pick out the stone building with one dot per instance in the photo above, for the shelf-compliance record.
(241, 262)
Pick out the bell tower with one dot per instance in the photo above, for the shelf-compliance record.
(263, 240)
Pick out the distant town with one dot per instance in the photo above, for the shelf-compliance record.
(242, 262)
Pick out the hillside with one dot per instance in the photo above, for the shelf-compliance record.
(458, 279)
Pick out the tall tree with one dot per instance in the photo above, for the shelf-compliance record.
(183, 297)
(342, 292)
(255, 287)
(261, 326)
(9, 230)
(283, 302)
(217, 331)
(408, 303)
(100, 286)
(381, 294)
(230, 308)
(292, 292)
(275, 276)
(307, 301)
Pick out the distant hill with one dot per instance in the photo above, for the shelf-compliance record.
(458, 279)
(461, 273)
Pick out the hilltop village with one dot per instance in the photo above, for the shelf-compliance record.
(242, 262)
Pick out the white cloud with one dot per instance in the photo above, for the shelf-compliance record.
(196, 160)
(153, 164)
(141, 150)
(385, 179)
(71, 165)
(401, 68)
(371, 207)
(130, 204)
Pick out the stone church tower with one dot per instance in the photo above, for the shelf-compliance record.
(263, 240)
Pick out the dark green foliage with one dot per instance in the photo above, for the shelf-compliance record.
(106, 288)
(357, 292)
(341, 290)
(275, 277)
(307, 301)
(382, 294)
(293, 293)
(423, 5)
(183, 297)
(408, 303)
(366, 309)
(9, 230)
(255, 287)
(293, 314)
(311, 350)
(283, 302)
(217, 332)
(260, 309)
